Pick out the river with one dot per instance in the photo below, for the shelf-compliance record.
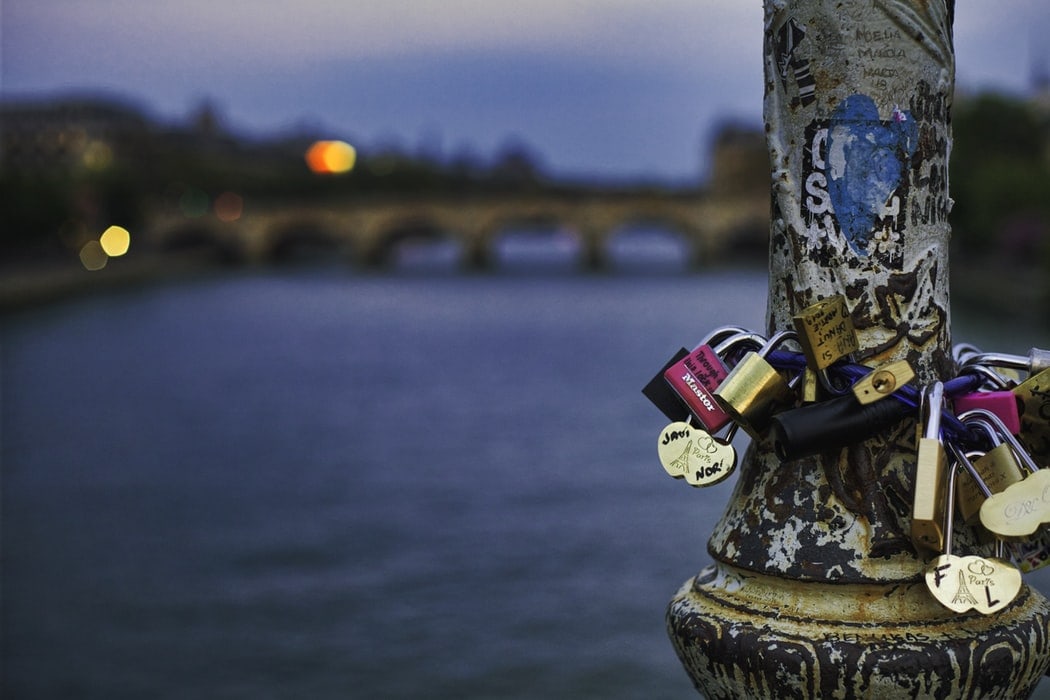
(322, 484)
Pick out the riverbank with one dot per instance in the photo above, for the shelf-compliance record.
(1018, 293)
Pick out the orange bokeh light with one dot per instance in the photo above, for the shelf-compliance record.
(331, 157)
(228, 206)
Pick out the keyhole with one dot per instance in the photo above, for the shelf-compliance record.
(883, 382)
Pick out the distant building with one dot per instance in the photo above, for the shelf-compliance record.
(69, 135)
(739, 163)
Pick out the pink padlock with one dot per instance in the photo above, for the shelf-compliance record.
(693, 378)
(1003, 404)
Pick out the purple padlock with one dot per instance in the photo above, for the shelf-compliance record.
(693, 378)
(1003, 404)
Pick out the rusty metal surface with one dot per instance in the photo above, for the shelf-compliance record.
(745, 635)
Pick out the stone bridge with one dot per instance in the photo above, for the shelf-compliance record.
(368, 231)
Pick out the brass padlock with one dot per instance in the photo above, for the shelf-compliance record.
(995, 470)
(754, 389)
(928, 501)
(825, 332)
(1023, 507)
(973, 582)
(883, 381)
(1034, 394)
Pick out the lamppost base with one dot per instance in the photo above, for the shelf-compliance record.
(746, 635)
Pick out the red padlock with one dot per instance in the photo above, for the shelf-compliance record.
(700, 372)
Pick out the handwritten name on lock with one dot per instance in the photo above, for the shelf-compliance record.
(826, 332)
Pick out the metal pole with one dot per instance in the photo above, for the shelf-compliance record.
(817, 589)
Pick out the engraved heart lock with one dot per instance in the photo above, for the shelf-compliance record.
(691, 453)
(984, 584)
(1024, 506)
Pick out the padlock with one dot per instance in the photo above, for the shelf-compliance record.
(882, 381)
(660, 392)
(832, 424)
(810, 391)
(1034, 395)
(691, 453)
(694, 376)
(984, 584)
(825, 332)
(1004, 404)
(1032, 551)
(754, 389)
(928, 505)
(1024, 506)
(826, 335)
(995, 470)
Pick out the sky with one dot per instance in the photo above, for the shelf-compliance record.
(607, 89)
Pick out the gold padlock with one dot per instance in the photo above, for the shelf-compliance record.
(928, 501)
(825, 332)
(1034, 394)
(883, 381)
(973, 582)
(997, 469)
(754, 389)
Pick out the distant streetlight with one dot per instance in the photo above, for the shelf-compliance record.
(331, 157)
(115, 241)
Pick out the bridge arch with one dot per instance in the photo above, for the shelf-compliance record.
(304, 238)
(652, 242)
(390, 233)
(200, 239)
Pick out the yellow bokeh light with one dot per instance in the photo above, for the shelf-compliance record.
(115, 241)
(92, 257)
(97, 155)
(331, 157)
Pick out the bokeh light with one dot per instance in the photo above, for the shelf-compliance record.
(97, 155)
(193, 202)
(229, 206)
(115, 241)
(92, 257)
(331, 157)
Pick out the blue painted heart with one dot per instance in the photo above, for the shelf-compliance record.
(867, 161)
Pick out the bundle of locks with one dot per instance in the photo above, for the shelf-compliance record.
(990, 423)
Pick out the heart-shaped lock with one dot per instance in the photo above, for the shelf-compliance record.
(1021, 508)
(690, 453)
(674, 446)
(711, 460)
(983, 584)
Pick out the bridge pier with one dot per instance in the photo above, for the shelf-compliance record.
(477, 253)
(594, 253)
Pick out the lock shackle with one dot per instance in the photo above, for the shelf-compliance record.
(832, 424)
(777, 339)
(949, 511)
(719, 334)
(1023, 456)
(962, 459)
(753, 342)
(930, 409)
(994, 439)
(990, 378)
(1036, 361)
(963, 351)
